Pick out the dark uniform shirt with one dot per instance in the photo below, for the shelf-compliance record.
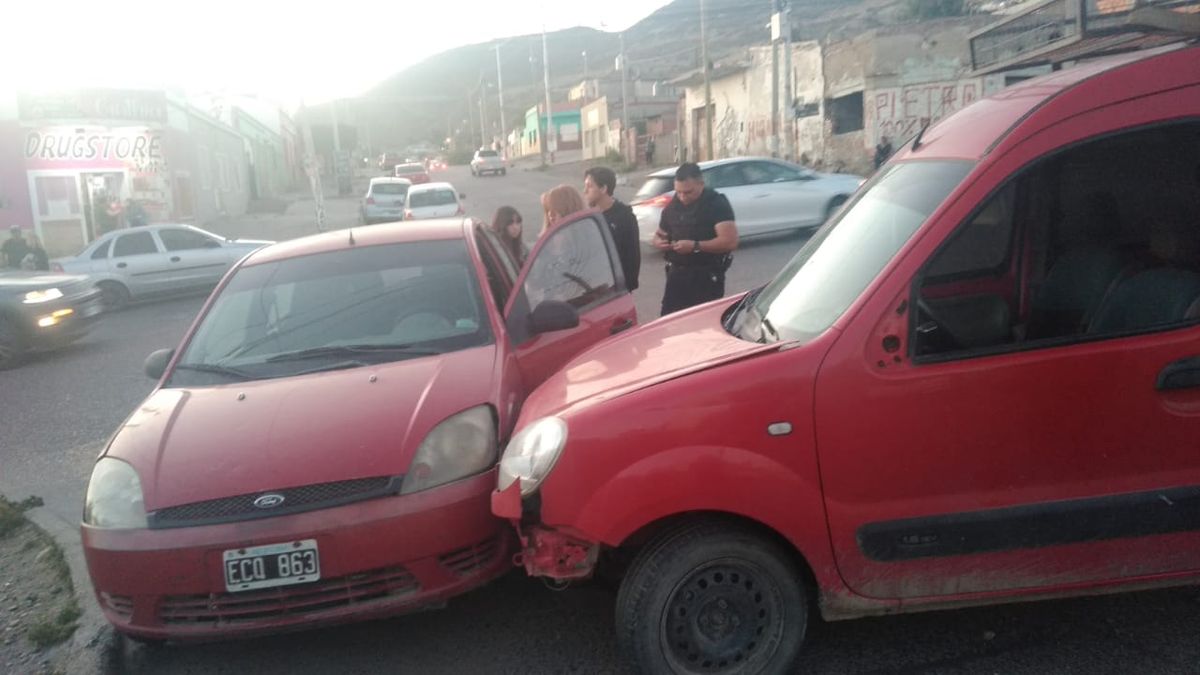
(15, 251)
(696, 222)
(625, 235)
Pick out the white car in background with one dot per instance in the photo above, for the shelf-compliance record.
(767, 195)
(385, 200)
(434, 200)
(156, 260)
(487, 161)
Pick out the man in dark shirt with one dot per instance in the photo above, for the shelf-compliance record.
(697, 235)
(15, 249)
(598, 185)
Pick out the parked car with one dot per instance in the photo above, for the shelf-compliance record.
(977, 384)
(767, 195)
(322, 446)
(487, 161)
(385, 200)
(433, 200)
(41, 311)
(414, 172)
(156, 260)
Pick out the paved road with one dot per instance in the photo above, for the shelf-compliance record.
(59, 409)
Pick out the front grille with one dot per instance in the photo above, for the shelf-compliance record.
(295, 500)
(471, 559)
(121, 605)
(225, 609)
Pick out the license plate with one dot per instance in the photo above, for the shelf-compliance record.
(293, 562)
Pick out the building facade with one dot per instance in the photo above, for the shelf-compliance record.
(70, 161)
(564, 125)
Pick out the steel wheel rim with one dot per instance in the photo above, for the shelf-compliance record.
(722, 614)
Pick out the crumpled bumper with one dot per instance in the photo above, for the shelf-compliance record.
(545, 551)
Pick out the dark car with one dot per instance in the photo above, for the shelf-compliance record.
(40, 311)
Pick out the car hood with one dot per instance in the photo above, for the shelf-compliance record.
(671, 347)
(34, 281)
(195, 444)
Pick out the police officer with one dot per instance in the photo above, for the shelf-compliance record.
(698, 235)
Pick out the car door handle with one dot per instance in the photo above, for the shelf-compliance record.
(620, 325)
(174, 258)
(122, 265)
(1181, 374)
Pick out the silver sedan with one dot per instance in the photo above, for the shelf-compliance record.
(156, 260)
(767, 195)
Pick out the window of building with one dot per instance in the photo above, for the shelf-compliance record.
(846, 113)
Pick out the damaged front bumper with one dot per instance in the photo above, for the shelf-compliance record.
(545, 551)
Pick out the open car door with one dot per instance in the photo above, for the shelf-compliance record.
(570, 295)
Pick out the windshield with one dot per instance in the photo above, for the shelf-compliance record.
(417, 200)
(655, 186)
(836, 265)
(341, 309)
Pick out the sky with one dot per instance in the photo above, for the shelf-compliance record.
(282, 51)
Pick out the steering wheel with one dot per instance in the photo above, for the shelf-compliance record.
(423, 324)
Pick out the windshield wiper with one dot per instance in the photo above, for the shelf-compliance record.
(216, 370)
(352, 350)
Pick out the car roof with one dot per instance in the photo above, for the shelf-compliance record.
(1021, 110)
(435, 229)
(426, 187)
(713, 163)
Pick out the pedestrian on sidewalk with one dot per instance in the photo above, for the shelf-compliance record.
(599, 182)
(697, 235)
(15, 248)
(650, 152)
(135, 215)
(36, 259)
(559, 203)
(507, 225)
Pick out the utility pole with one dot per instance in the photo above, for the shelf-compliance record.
(500, 87)
(708, 112)
(533, 78)
(774, 78)
(471, 119)
(789, 101)
(312, 168)
(624, 89)
(484, 127)
(548, 138)
(585, 78)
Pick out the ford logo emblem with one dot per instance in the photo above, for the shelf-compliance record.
(269, 501)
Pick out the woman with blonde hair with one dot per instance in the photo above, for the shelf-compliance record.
(559, 203)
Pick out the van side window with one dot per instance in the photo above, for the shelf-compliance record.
(1100, 240)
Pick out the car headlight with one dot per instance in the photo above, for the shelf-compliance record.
(532, 453)
(46, 295)
(460, 446)
(114, 496)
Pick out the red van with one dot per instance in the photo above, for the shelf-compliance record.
(979, 383)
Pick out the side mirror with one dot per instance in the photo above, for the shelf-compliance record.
(552, 315)
(156, 363)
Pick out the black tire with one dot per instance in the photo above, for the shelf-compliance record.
(834, 205)
(708, 597)
(113, 294)
(12, 344)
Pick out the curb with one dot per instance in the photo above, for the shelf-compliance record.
(94, 646)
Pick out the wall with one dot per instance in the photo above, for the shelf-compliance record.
(266, 177)
(213, 157)
(595, 129)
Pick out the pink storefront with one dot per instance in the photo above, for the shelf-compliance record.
(79, 158)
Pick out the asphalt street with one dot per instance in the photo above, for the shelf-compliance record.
(59, 409)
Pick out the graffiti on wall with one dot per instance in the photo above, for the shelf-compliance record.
(899, 112)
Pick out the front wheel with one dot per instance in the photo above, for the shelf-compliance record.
(711, 598)
(12, 344)
(114, 295)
